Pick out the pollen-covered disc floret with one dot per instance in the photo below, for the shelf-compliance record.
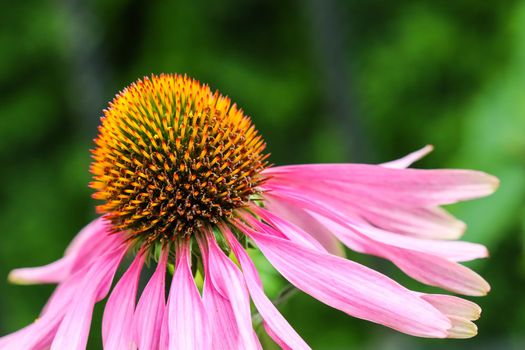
(171, 156)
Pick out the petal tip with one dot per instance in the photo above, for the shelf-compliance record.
(476, 313)
(493, 181)
(15, 277)
(428, 148)
(482, 290)
(462, 329)
(486, 254)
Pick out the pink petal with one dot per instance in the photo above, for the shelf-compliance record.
(425, 267)
(220, 311)
(395, 216)
(99, 226)
(461, 328)
(289, 230)
(74, 329)
(278, 328)
(90, 242)
(118, 315)
(187, 319)
(453, 306)
(457, 251)
(305, 221)
(164, 339)
(229, 282)
(433, 222)
(257, 341)
(351, 287)
(380, 211)
(222, 320)
(51, 273)
(415, 186)
(450, 250)
(460, 312)
(407, 160)
(439, 272)
(147, 321)
(40, 333)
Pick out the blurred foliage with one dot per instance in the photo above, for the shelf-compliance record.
(324, 81)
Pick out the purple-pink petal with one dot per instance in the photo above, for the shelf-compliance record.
(414, 260)
(118, 315)
(277, 326)
(288, 229)
(376, 208)
(220, 311)
(351, 287)
(460, 312)
(409, 159)
(92, 241)
(415, 186)
(428, 263)
(147, 320)
(74, 328)
(229, 282)
(187, 319)
(301, 218)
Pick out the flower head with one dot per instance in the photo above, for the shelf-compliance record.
(171, 156)
(184, 182)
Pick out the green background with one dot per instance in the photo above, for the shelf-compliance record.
(324, 81)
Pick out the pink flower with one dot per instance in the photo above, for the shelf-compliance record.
(185, 186)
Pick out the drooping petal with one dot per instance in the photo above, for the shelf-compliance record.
(92, 241)
(187, 319)
(164, 340)
(428, 263)
(117, 322)
(50, 273)
(423, 265)
(225, 331)
(439, 272)
(304, 220)
(414, 186)
(351, 287)
(395, 215)
(407, 160)
(278, 328)
(37, 335)
(286, 228)
(40, 333)
(454, 250)
(74, 328)
(147, 320)
(99, 229)
(222, 319)
(228, 281)
(422, 222)
(450, 250)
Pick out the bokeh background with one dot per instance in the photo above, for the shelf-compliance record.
(324, 81)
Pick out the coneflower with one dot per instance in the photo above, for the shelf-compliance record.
(185, 185)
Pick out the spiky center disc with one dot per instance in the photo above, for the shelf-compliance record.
(172, 155)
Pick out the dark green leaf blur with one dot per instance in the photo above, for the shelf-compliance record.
(324, 81)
